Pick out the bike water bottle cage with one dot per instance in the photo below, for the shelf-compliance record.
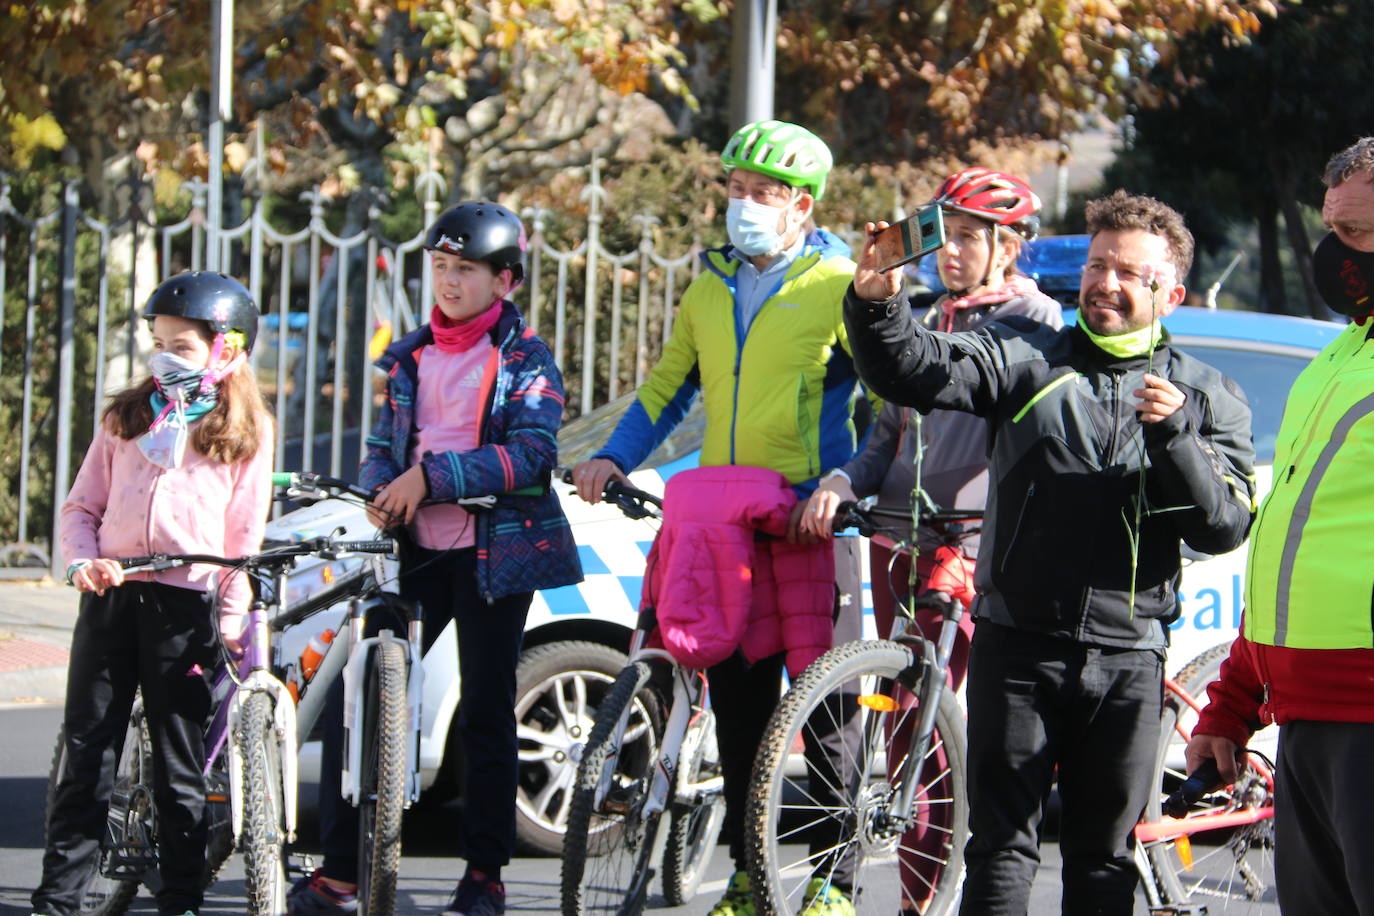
(787, 152)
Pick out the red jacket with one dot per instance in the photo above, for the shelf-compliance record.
(717, 588)
(1261, 685)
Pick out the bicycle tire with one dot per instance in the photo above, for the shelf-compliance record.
(694, 824)
(1235, 871)
(381, 802)
(857, 828)
(607, 847)
(103, 895)
(262, 838)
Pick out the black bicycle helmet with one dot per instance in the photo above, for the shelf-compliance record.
(222, 302)
(481, 231)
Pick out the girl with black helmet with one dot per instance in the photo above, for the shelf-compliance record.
(181, 463)
(473, 406)
(988, 216)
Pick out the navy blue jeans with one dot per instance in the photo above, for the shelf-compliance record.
(489, 642)
(1036, 703)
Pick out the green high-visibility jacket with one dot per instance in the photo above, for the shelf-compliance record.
(1310, 577)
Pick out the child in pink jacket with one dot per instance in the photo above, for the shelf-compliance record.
(181, 464)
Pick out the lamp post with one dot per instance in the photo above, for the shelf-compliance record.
(221, 97)
(752, 61)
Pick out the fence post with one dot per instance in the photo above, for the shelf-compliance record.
(66, 329)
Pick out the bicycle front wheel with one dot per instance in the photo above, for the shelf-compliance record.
(610, 838)
(127, 851)
(835, 819)
(263, 837)
(1230, 869)
(383, 787)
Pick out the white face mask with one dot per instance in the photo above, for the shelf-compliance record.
(753, 227)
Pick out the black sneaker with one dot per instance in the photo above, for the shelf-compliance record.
(310, 896)
(477, 896)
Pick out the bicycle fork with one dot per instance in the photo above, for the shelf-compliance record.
(355, 671)
(934, 662)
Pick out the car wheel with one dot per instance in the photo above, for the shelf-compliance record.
(558, 687)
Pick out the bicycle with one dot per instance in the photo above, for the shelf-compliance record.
(257, 723)
(901, 794)
(638, 763)
(1219, 857)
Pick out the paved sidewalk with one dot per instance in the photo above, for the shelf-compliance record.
(36, 621)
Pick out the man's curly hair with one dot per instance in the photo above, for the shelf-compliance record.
(1353, 160)
(1120, 211)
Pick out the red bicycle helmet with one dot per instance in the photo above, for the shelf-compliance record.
(993, 196)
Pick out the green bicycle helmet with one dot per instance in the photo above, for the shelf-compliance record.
(787, 152)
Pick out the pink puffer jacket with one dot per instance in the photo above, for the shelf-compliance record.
(718, 588)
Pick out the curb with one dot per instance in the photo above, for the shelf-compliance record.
(34, 685)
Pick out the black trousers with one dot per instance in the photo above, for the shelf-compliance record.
(444, 583)
(1034, 703)
(743, 698)
(140, 636)
(1323, 845)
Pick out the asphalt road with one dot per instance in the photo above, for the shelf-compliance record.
(429, 868)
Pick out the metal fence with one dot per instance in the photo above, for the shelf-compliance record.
(71, 334)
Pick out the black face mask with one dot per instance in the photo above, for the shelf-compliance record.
(1345, 277)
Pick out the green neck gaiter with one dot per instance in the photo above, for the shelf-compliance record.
(1132, 343)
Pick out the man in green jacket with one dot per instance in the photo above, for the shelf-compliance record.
(1305, 657)
(759, 334)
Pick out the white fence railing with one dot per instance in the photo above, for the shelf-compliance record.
(71, 333)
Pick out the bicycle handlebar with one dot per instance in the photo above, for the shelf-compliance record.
(631, 500)
(278, 556)
(1205, 778)
(310, 485)
(864, 515)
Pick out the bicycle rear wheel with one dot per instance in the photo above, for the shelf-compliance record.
(609, 844)
(839, 823)
(383, 787)
(1229, 870)
(697, 814)
(263, 837)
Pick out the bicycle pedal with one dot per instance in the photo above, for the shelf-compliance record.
(128, 861)
(299, 863)
(1179, 909)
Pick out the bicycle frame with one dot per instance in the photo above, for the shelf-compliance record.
(688, 692)
(1147, 832)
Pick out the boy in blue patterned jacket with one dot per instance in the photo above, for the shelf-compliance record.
(474, 402)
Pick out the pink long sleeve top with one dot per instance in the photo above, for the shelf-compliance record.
(122, 505)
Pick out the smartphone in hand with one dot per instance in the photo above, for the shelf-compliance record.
(916, 236)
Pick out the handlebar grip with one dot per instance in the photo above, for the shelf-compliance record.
(1205, 778)
(380, 545)
(283, 478)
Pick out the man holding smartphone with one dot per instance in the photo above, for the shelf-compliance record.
(1109, 448)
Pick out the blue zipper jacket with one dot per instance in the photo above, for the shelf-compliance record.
(523, 543)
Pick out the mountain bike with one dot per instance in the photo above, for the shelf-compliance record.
(1219, 856)
(651, 750)
(897, 798)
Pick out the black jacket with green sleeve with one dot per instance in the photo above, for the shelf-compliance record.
(1065, 457)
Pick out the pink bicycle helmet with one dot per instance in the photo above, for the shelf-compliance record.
(993, 196)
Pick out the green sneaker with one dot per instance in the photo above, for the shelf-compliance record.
(738, 899)
(825, 899)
